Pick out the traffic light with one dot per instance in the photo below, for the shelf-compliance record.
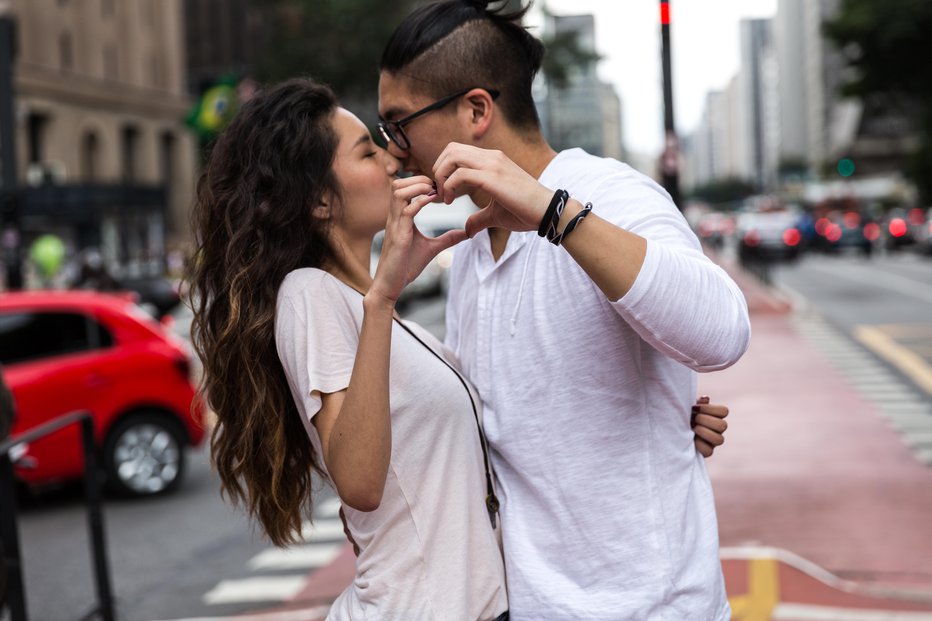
(846, 167)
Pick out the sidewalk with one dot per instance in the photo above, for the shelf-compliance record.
(824, 514)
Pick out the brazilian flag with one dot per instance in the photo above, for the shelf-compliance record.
(215, 109)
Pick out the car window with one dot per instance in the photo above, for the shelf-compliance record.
(33, 336)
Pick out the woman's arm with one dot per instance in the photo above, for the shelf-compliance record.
(355, 424)
(708, 421)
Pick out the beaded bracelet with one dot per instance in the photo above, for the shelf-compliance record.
(572, 224)
(548, 225)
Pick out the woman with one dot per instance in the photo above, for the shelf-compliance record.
(308, 368)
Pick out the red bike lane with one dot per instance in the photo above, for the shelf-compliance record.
(824, 512)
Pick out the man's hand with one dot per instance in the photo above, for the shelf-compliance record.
(709, 425)
(519, 201)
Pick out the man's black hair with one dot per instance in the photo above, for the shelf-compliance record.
(446, 46)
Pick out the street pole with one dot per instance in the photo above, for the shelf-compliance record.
(669, 161)
(10, 239)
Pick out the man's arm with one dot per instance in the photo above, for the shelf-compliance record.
(654, 274)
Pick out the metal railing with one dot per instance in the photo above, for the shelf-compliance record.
(12, 567)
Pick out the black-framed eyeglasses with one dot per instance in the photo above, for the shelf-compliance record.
(393, 131)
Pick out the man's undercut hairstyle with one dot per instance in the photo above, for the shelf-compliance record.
(447, 46)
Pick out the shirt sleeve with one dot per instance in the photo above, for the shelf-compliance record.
(681, 303)
(317, 336)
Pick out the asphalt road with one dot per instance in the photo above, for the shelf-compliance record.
(883, 304)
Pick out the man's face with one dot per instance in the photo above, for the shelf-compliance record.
(429, 134)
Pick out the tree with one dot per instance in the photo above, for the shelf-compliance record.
(338, 42)
(886, 46)
(723, 191)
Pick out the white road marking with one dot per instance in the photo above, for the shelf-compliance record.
(298, 557)
(810, 612)
(257, 589)
(329, 508)
(303, 614)
(323, 530)
(904, 410)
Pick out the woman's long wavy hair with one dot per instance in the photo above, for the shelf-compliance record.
(253, 225)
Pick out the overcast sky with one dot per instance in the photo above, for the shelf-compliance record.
(705, 56)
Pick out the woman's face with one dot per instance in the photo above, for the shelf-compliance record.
(365, 172)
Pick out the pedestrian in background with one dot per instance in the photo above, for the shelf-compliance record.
(308, 368)
(581, 309)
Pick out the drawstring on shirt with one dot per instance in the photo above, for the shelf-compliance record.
(514, 315)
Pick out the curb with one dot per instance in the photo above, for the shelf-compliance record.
(903, 594)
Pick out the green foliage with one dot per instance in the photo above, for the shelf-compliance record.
(338, 42)
(563, 53)
(793, 167)
(887, 46)
(723, 191)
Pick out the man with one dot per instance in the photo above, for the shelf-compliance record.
(584, 350)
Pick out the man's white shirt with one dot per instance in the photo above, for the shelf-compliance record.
(607, 507)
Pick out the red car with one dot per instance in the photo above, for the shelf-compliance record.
(64, 351)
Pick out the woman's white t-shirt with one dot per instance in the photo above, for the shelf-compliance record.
(429, 551)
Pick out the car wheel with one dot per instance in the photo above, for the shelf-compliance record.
(144, 455)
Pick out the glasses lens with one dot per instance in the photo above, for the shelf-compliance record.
(392, 133)
(385, 132)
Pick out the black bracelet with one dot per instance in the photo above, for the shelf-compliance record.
(572, 224)
(557, 202)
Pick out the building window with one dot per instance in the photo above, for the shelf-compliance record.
(167, 158)
(65, 52)
(36, 124)
(89, 151)
(130, 137)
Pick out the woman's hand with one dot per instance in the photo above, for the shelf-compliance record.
(519, 201)
(406, 251)
(709, 425)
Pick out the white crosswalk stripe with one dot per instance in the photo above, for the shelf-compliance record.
(296, 557)
(329, 508)
(906, 411)
(258, 589)
(279, 575)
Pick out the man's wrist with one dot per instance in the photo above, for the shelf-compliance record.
(572, 209)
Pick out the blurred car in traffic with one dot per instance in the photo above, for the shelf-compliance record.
(899, 228)
(714, 228)
(768, 235)
(839, 231)
(64, 351)
(919, 223)
(433, 220)
(157, 295)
